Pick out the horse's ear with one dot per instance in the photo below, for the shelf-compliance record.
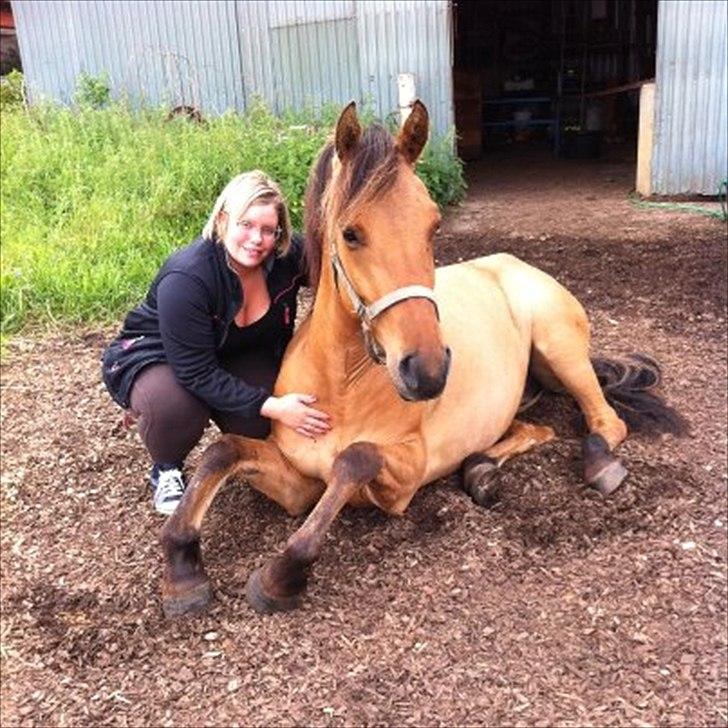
(348, 132)
(413, 135)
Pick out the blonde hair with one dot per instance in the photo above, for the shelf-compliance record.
(239, 194)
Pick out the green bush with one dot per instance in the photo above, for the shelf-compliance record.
(92, 92)
(94, 199)
(442, 171)
(11, 90)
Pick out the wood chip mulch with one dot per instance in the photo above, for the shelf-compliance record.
(556, 607)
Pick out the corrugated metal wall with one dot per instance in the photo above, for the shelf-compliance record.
(691, 120)
(167, 51)
(407, 36)
(220, 54)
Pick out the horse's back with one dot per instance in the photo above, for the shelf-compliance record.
(532, 294)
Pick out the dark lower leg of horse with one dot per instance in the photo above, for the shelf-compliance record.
(626, 385)
(280, 583)
(481, 475)
(602, 470)
(480, 479)
(185, 587)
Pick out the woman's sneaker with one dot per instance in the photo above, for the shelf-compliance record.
(169, 486)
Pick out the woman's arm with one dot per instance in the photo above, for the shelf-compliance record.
(186, 325)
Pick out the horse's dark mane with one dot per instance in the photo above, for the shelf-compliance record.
(370, 172)
(313, 214)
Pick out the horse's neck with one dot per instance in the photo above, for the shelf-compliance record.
(335, 333)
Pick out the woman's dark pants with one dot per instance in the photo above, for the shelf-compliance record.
(171, 420)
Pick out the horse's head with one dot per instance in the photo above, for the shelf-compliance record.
(377, 229)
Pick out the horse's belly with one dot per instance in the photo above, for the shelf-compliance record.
(490, 353)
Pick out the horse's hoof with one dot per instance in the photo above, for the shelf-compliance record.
(194, 600)
(602, 471)
(265, 603)
(609, 478)
(481, 479)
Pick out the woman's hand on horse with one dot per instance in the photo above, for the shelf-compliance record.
(294, 411)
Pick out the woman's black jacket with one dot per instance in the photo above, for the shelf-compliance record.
(184, 321)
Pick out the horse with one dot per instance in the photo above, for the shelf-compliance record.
(423, 371)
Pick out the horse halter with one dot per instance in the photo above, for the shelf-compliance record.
(367, 314)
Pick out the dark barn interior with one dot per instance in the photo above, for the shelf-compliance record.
(562, 76)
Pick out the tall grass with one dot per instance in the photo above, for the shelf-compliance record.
(93, 199)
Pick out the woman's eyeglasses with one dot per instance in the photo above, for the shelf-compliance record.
(267, 233)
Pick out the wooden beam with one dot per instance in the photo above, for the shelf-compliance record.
(618, 89)
(645, 140)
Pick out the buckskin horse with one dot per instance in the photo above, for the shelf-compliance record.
(423, 371)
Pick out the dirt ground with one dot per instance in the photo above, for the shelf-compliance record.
(557, 607)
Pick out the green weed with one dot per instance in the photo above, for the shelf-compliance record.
(94, 199)
(92, 91)
(12, 94)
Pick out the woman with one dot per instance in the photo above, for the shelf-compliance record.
(208, 340)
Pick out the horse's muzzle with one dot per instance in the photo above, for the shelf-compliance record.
(422, 378)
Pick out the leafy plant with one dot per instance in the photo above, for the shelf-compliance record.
(12, 90)
(94, 198)
(92, 92)
(442, 171)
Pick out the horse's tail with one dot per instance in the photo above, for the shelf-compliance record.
(532, 393)
(627, 384)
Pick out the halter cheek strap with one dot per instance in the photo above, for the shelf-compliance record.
(367, 314)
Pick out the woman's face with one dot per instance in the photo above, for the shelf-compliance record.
(251, 236)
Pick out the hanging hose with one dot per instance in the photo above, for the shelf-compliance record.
(686, 206)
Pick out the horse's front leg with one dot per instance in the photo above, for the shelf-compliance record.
(386, 476)
(185, 587)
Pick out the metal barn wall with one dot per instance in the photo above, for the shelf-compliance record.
(220, 54)
(690, 154)
(169, 51)
(408, 36)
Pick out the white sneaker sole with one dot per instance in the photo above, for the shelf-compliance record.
(166, 509)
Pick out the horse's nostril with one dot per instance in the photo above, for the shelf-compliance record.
(420, 381)
(407, 371)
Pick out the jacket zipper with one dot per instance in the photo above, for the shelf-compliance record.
(286, 309)
(285, 290)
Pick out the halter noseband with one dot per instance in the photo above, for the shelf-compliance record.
(367, 314)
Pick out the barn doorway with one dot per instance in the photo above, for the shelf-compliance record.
(558, 78)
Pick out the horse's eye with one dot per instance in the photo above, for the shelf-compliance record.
(351, 238)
